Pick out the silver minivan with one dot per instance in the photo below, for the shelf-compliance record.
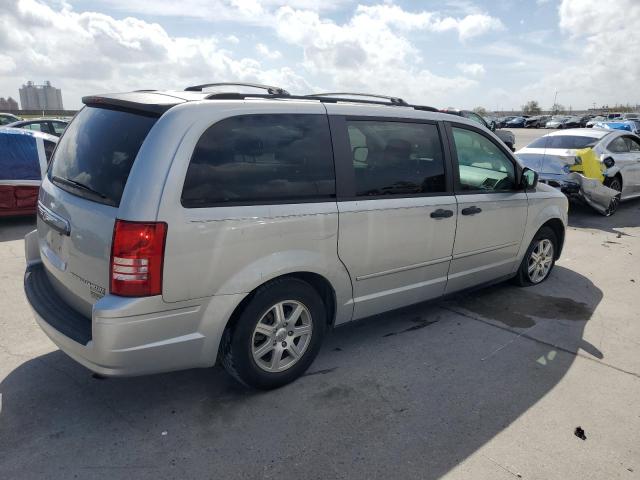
(181, 229)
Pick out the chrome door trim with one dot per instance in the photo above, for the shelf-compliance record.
(405, 268)
(392, 291)
(485, 250)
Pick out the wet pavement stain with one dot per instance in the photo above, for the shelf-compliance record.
(321, 372)
(419, 323)
(517, 307)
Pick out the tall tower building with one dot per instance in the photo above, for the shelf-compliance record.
(40, 97)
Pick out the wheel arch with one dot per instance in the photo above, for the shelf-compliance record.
(318, 282)
(557, 226)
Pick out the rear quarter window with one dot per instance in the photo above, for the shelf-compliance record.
(97, 151)
(568, 142)
(275, 158)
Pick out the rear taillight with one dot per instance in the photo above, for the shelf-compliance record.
(137, 254)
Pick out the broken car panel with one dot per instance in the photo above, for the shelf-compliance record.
(596, 166)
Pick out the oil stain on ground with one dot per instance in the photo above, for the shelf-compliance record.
(517, 307)
(419, 324)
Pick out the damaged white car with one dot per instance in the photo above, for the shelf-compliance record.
(599, 167)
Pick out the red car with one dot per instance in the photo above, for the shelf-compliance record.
(24, 156)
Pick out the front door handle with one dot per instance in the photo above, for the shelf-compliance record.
(441, 213)
(471, 210)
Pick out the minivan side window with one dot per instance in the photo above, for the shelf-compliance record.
(481, 163)
(271, 158)
(396, 158)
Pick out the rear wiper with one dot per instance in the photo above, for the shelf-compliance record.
(82, 186)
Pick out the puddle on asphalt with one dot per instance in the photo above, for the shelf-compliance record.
(517, 307)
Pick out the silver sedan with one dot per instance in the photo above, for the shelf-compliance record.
(619, 151)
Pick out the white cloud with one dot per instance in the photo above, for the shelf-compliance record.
(232, 39)
(369, 52)
(90, 52)
(471, 25)
(265, 51)
(7, 64)
(259, 12)
(605, 65)
(473, 69)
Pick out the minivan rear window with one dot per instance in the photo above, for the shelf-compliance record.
(269, 158)
(95, 155)
(569, 142)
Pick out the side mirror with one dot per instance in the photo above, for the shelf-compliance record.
(529, 178)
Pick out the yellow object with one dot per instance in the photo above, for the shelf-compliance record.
(590, 165)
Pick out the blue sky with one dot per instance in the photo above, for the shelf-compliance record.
(459, 53)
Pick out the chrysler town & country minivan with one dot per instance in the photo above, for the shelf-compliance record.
(181, 229)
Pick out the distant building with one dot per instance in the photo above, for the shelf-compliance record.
(40, 97)
(8, 104)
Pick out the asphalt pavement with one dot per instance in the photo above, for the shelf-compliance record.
(492, 384)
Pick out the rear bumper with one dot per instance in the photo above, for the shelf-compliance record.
(131, 336)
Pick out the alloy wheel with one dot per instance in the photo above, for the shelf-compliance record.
(540, 260)
(281, 336)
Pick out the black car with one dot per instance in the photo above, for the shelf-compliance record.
(45, 125)
(507, 137)
(584, 119)
(572, 122)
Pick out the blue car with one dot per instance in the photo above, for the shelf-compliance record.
(629, 125)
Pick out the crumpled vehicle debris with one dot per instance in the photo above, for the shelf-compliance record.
(589, 175)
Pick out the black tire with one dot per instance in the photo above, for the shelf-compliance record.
(237, 341)
(523, 278)
(616, 184)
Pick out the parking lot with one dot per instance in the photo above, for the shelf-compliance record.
(488, 384)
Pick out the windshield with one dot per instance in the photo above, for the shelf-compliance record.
(96, 153)
(569, 142)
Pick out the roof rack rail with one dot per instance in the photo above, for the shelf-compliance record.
(392, 100)
(271, 90)
(276, 92)
(425, 108)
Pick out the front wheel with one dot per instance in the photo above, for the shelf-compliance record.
(616, 184)
(277, 335)
(539, 259)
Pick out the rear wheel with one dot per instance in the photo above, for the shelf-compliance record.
(277, 336)
(615, 183)
(539, 259)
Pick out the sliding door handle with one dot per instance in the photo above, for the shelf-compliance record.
(441, 213)
(471, 210)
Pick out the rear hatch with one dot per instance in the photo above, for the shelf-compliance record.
(80, 197)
